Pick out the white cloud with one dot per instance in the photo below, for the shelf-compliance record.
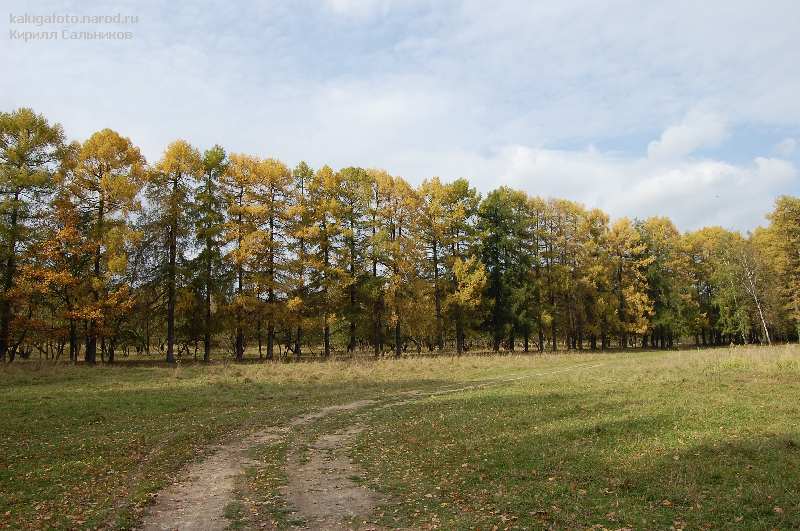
(699, 129)
(669, 180)
(382, 104)
(454, 89)
(693, 193)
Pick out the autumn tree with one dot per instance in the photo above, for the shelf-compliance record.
(628, 261)
(596, 277)
(30, 149)
(736, 305)
(433, 224)
(169, 190)
(402, 253)
(208, 211)
(270, 198)
(568, 239)
(462, 204)
(52, 276)
(236, 184)
(783, 245)
(467, 295)
(66, 255)
(749, 265)
(352, 196)
(381, 185)
(300, 231)
(547, 232)
(109, 174)
(669, 282)
(323, 240)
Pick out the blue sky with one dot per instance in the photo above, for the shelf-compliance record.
(684, 109)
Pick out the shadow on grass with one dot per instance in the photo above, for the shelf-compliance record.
(575, 459)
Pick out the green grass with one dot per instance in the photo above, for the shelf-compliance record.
(683, 439)
(85, 446)
(648, 440)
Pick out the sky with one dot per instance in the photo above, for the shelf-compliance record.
(683, 109)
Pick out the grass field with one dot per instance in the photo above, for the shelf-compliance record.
(641, 439)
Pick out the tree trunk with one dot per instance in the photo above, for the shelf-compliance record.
(459, 333)
(91, 337)
(622, 336)
(376, 307)
(437, 297)
(270, 340)
(326, 332)
(8, 282)
(271, 289)
(541, 336)
(351, 343)
(377, 332)
(171, 294)
(73, 342)
(239, 288)
(239, 343)
(207, 323)
(258, 338)
(397, 343)
(326, 338)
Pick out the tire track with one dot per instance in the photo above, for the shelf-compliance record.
(321, 489)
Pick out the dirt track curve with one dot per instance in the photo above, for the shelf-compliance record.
(319, 488)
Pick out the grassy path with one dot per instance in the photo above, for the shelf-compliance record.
(320, 490)
(82, 447)
(319, 486)
(198, 499)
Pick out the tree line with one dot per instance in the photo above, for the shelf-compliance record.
(214, 253)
